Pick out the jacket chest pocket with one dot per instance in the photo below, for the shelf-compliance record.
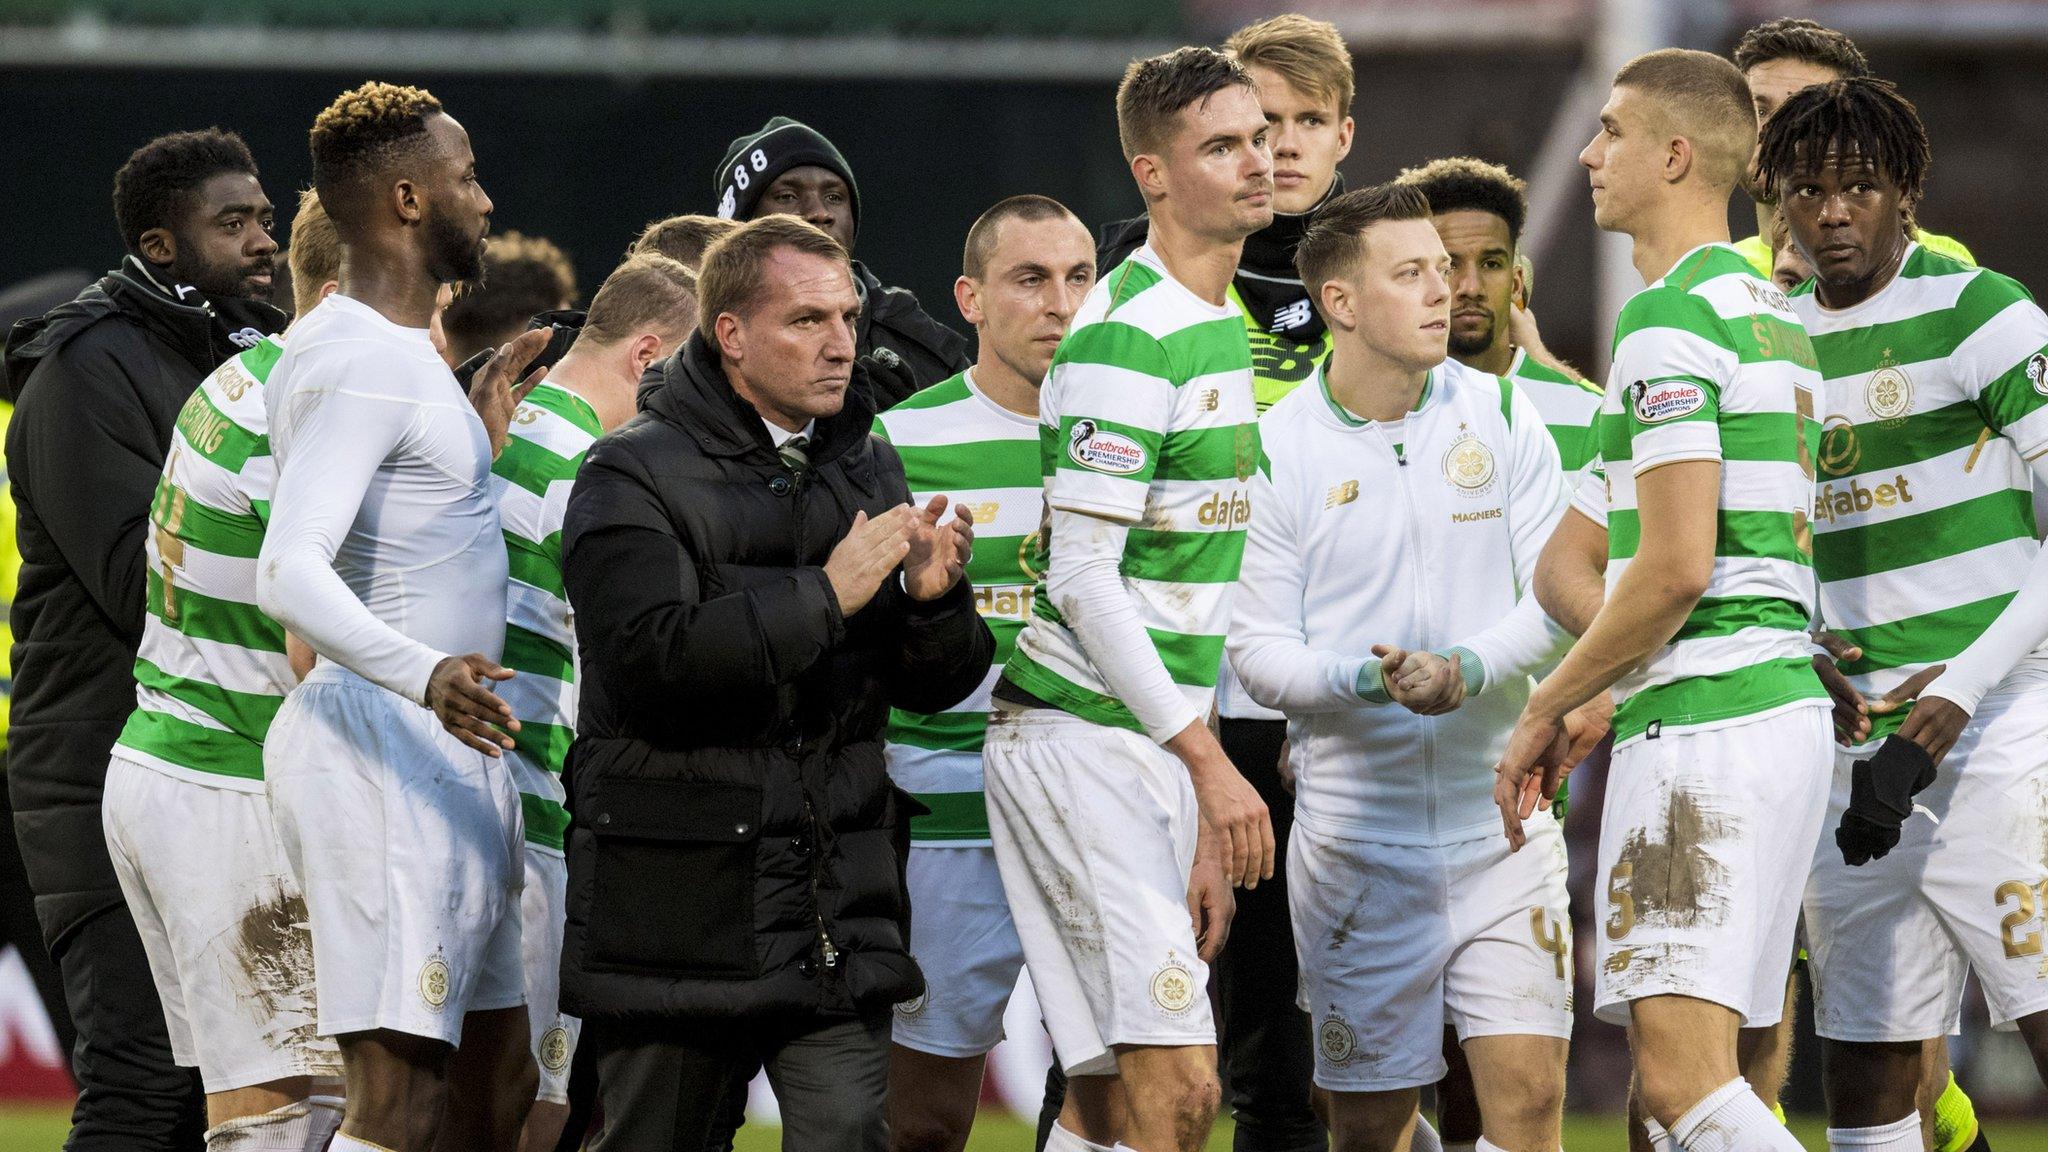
(673, 876)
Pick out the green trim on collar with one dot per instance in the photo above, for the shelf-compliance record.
(1344, 414)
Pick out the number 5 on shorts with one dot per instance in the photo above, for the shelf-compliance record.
(1624, 917)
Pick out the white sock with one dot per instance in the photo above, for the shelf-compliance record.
(278, 1130)
(1426, 1137)
(1897, 1136)
(1469, 1147)
(323, 1121)
(1733, 1119)
(1660, 1140)
(1061, 1140)
(1485, 1145)
(343, 1142)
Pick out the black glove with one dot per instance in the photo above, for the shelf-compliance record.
(888, 378)
(1881, 793)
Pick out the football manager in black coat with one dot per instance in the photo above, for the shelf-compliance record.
(753, 592)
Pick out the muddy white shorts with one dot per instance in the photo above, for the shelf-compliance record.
(1397, 940)
(223, 925)
(1965, 890)
(962, 938)
(409, 849)
(1094, 830)
(1706, 838)
(543, 913)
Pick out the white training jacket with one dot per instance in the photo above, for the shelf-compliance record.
(1434, 547)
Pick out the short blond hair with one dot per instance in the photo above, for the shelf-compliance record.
(684, 238)
(730, 278)
(1306, 52)
(647, 293)
(314, 257)
(1703, 98)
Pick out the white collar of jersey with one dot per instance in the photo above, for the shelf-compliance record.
(1431, 385)
(1835, 314)
(975, 389)
(1696, 250)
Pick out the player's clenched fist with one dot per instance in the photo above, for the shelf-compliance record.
(870, 551)
(460, 695)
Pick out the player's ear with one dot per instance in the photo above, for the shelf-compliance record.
(1338, 309)
(405, 200)
(1150, 175)
(967, 297)
(1679, 158)
(647, 348)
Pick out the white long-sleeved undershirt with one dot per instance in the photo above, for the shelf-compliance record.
(384, 551)
(2019, 629)
(1089, 592)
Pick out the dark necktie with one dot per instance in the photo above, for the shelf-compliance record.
(794, 454)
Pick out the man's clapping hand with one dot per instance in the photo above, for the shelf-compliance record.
(870, 551)
(938, 552)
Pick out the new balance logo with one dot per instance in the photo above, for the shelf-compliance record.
(1210, 399)
(1293, 316)
(1343, 493)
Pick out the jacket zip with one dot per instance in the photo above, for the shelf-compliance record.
(827, 951)
(1421, 567)
(828, 954)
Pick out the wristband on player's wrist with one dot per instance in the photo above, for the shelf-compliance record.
(1469, 668)
(1371, 686)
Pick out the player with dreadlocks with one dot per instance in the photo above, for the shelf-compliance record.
(1935, 412)
(1779, 57)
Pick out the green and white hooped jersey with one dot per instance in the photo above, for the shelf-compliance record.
(1147, 419)
(957, 442)
(1711, 363)
(1570, 408)
(1935, 393)
(550, 434)
(211, 670)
